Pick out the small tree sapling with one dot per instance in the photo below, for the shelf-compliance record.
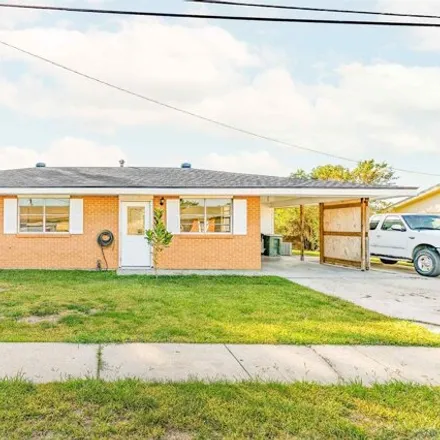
(158, 237)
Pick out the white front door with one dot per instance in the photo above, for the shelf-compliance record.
(135, 219)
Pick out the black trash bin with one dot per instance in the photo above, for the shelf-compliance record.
(272, 245)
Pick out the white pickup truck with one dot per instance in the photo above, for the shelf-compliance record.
(408, 237)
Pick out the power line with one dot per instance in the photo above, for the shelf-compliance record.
(304, 8)
(196, 115)
(226, 17)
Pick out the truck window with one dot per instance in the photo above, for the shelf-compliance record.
(392, 220)
(423, 222)
(374, 223)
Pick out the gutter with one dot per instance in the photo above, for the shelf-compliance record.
(390, 192)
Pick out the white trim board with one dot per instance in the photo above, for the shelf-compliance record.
(136, 198)
(43, 196)
(294, 192)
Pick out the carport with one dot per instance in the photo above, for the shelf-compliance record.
(343, 220)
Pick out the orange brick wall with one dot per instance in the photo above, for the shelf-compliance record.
(82, 251)
(217, 251)
(69, 251)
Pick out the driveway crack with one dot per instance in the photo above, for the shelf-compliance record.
(386, 367)
(328, 362)
(99, 362)
(238, 361)
(368, 356)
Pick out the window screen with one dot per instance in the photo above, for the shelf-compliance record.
(44, 215)
(390, 221)
(206, 216)
(374, 223)
(135, 220)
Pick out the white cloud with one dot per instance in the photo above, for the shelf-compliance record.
(188, 64)
(424, 39)
(11, 18)
(383, 107)
(261, 162)
(367, 109)
(63, 152)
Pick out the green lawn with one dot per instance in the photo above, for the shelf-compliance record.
(136, 410)
(306, 253)
(89, 307)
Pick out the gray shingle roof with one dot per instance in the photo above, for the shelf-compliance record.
(136, 177)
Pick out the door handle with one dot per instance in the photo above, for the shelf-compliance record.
(412, 238)
(378, 236)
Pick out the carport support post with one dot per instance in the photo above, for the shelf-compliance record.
(365, 251)
(321, 233)
(302, 222)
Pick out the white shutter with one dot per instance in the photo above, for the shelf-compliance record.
(173, 216)
(10, 216)
(76, 216)
(240, 217)
(267, 219)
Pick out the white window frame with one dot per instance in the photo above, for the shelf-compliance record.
(205, 216)
(43, 232)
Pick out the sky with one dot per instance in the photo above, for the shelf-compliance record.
(356, 92)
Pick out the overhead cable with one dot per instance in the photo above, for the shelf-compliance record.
(196, 115)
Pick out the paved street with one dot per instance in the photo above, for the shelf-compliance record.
(42, 363)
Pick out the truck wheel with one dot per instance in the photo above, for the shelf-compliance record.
(427, 262)
(386, 261)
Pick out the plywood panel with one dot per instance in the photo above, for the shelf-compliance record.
(343, 248)
(343, 233)
(342, 220)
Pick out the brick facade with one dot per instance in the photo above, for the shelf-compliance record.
(65, 251)
(217, 251)
(37, 251)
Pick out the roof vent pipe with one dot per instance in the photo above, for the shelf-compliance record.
(41, 165)
(186, 165)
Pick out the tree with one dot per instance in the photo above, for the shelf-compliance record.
(158, 237)
(287, 224)
(368, 172)
(330, 172)
(300, 174)
(371, 172)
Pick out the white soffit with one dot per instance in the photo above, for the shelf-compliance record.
(373, 193)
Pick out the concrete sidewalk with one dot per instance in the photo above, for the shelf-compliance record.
(42, 363)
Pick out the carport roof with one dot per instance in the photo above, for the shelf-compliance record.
(153, 177)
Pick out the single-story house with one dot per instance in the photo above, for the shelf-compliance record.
(425, 202)
(51, 217)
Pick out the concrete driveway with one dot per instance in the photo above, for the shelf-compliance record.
(397, 293)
